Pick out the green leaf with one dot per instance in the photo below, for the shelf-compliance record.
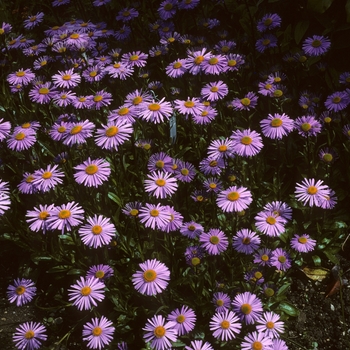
(319, 6)
(75, 272)
(300, 30)
(317, 260)
(288, 308)
(283, 289)
(115, 198)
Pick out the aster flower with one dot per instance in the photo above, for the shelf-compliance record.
(184, 320)
(248, 306)
(94, 73)
(21, 140)
(267, 41)
(307, 126)
(211, 166)
(185, 171)
(66, 79)
(127, 14)
(160, 161)
(77, 40)
(160, 333)
(167, 9)
(152, 279)
(199, 345)
(192, 106)
(135, 58)
(86, 292)
(215, 64)
(234, 62)
(254, 276)
(234, 199)
(101, 99)
(316, 45)
(81, 102)
(176, 69)
(138, 98)
(269, 223)
(160, 184)
(42, 93)
(329, 201)
(246, 143)
(222, 302)
(5, 128)
(5, 28)
(78, 132)
(195, 60)
(246, 241)
(4, 197)
(191, 229)
(257, 340)
(154, 216)
(33, 21)
(212, 185)
(29, 336)
(248, 102)
(207, 116)
(92, 172)
(270, 324)
(279, 344)
(155, 112)
(214, 91)
(346, 130)
(337, 101)
(262, 257)
(220, 149)
(45, 179)
(119, 70)
(102, 272)
(225, 325)
(193, 255)
(124, 113)
(302, 243)
(132, 209)
(327, 155)
(22, 77)
(26, 185)
(99, 231)
(276, 126)
(37, 217)
(64, 98)
(98, 333)
(311, 193)
(280, 259)
(214, 242)
(279, 208)
(175, 221)
(268, 22)
(21, 292)
(65, 216)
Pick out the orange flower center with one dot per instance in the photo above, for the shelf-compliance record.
(149, 275)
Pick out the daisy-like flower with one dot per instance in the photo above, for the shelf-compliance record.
(246, 143)
(257, 340)
(279, 208)
(176, 69)
(102, 272)
(268, 22)
(86, 292)
(270, 324)
(327, 155)
(101, 99)
(33, 21)
(199, 345)
(67, 79)
(160, 184)
(92, 173)
(280, 259)
(248, 102)
(45, 179)
(211, 166)
(26, 185)
(234, 199)
(154, 216)
(42, 93)
(221, 301)
(302, 243)
(135, 58)
(279, 344)
(248, 306)
(192, 106)
(81, 102)
(152, 279)
(214, 242)
(29, 336)
(5, 128)
(37, 218)
(65, 216)
(193, 255)
(214, 91)
(94, 73)
(311, 192)
(98, 333)
(21, 140)
(156, 112)
(267, 41)
(195, 60)
(329, 201)
(212, 185)
(175, 221)
(132, 209)
(160, 161)
(22, 77)
(21, 292)
(246, 241)
(269, 223)
(215, 64)
(262, 257)
(337, 101)
(185, 171)
(4, 197)
(119, 70)
(137, 98)
(184, 319)
(64, 98)
(160, 333)
(276, 126)
(191, 229)
(225, 325)
(254, 276)
(124, 113)
(207, 116)
(221, 149)
(99, 231)
(307, 126)
(316, 45)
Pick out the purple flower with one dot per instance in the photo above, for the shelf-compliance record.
(246, 241)
(222, 302)
(211, 166)
(327, 155)
(154, 216)
(65, 216)
(270, 324)
(234, 199)
(86, 292)
(152, 279)
(329, 202)
(37, 218)
(21, 140)
(160, 333)
(160, 184)
(5, 128)
(265, 42)
(167, 9)
(185, 171)
(64, 98)
(22, 77)
(119, 70)
(268, 22)
(269, 223)
(199, 344)
(33, 21)
(279, 344)
(195, 60)
(176, 69)
(307, 126)
(192, 106)
(98, 232)
(188, 5)
(4, 197)
(254, 276)
(184, 319)
(302, 243)
(67, 79)
(22, 291)
(279, 208)
(78, 132)
(81, 102)
(160, 161)
(262, 257)
(215, 64)
(280, 259)
(191, 229)
(316, 45)
(135, 58)
(101, 99)
(26, 185)
(225, 325)
(155, 112)
(246, 143)
(94, 73)
(214, 91)
(214, 242)
(45, 179)
(175, 221)
(132, 209)
(207, 116)
(311, 192)
(100, 271)
(221, 149)
(276, 126)
(337, 101)
(234, 62)
(42, 93)
(248, 306)
(29, 336)
(248, 102)
(257, 340)
(193, 255)
(98, 333)
(212, 185)
(92, 172)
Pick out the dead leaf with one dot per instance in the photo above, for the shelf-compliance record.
(316, 273)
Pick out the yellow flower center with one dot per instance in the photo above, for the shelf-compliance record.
(204, 113)
(316, 43)
(336, 99)
(159, 164)
(219, 302)
(198, 60)
(233, 196)
(66, 77)
(116, 65)
(96, 230)
(47, 175)
(111, 131)
(212, 185)
(29, 179)
(123, 111)
(137, 100)
(270, 325)
(180, 319)
(214, 240)
(306, 126)
(191, 227)
(134, 212)
(266, 42)
(61, 129)
(257, 345)
(154, 107)
(43, 215)
(212, 61)
(327, 120)
(91, 169)
(222, 148)
(64, 214)
(85, 291)
(20, 136)
(189, 104)
(246, 240)
(159, 331)
(97, 331)
(76, 129)
(245, 101)
(134, 58)
(20, 290)
(154, 212)
(277, 93)
(232, 63)
(160, 182)
(225, 324)
(168, 7)
(327, 157)
(82, 99)
(99, 274)
(269, 292)
(312, 190)
(282, 259)
(271, 220)
(267, 21)
(29, 334)
(98, 98)
(246, 309)
(177, 65)
(265, 257)
(74, 36)
(184, 172)
(246, 140)
(276, 122)
(149, 275)
(214, 89)
(93, 73)
(44, 91)
(195, 261)
(213, 163)
(20, 74)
